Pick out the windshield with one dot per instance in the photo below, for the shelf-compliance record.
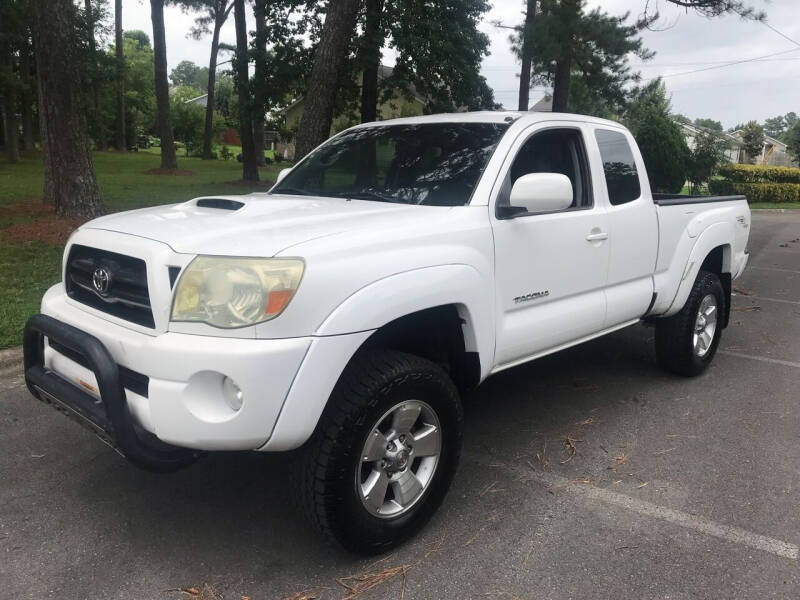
(437, 164)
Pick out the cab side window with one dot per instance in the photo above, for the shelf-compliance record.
(622, 179)
(555, 151)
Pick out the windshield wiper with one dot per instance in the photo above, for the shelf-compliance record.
(366, 195)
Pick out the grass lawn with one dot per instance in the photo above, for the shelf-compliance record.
(788, 205)
(29, 266)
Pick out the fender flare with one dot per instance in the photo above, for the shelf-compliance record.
(349, 326)
(716, 235)
(387, 299)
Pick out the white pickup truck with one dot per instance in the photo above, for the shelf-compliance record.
(343, 312)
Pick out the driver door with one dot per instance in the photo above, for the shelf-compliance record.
(550, 268)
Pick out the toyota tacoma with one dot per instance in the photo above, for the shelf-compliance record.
(344, 312)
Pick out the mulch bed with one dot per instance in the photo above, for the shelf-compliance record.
(45, 227)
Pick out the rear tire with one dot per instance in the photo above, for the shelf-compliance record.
(687, 341)
(384, 452)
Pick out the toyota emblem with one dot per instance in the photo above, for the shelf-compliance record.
(101, 280)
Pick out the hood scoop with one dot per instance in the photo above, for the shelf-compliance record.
(219, 203)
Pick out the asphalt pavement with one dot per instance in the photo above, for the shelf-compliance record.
(587, 474)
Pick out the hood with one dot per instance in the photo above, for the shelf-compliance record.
(258, 224)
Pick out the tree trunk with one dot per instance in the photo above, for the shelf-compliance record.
(315, 124)
(569, 14)
(69, 180)
(249, 166)
(10, 95)
(119, 51)
(168, 158)
(208, 132)
(527, 56)
(260, 80)
(28, 136)
(561, 84)
(373, 42)
(258, 140)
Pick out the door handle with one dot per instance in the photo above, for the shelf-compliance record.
(597, 237)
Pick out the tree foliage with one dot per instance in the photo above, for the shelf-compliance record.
(439, 51)
(584, 56)
(661, 142)
(709, 124)
(651, 95)
(753, 140)
(792, 138)
(778, 126)
(707, 154)
(188, 119)
(715, 8)
(189, 74)
(666, 155)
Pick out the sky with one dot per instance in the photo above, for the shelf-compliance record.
(683, 41)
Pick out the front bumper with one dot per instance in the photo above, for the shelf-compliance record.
(107, 416)
(182, 403)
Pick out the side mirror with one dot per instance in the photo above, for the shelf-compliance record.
(541, 192)
(283, 173)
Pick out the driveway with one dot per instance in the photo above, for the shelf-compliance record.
(587, 474)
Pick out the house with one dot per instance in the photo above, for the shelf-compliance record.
(200, 100)
(733, 145)
(543, 105)
(402, 103)
(231, 135)
(774, 153)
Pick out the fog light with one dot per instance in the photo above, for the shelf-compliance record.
(233, 394)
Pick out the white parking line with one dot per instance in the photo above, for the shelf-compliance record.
(768, 299)
(773, 269)
(774, 361)
(676, 517)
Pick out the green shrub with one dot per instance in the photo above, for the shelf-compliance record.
(760, 174)
(756, 192)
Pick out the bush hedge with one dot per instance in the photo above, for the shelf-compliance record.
(757, 192)
(759, 174)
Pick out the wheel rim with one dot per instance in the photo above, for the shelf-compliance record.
(399, 459)
(705, 325)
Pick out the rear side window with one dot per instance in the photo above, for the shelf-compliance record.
(622, 180)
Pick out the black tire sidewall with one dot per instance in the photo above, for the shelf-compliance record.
(351, 523)
(674, 335)
(707, 284)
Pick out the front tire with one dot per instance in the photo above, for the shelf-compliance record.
(687, 341)
(384, 452)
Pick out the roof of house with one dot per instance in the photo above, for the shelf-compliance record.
(694, 129)
(203, 97)
(767, 138)
(543, 105)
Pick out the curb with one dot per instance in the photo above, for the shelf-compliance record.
(11, 357)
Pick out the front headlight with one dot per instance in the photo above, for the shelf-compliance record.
(235, 292)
